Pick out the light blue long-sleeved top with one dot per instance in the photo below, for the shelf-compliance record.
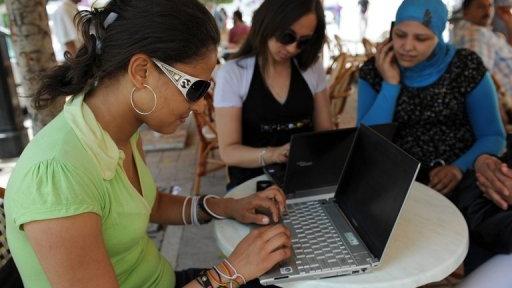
(481, 106)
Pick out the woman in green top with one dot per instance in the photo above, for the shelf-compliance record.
(80, 198)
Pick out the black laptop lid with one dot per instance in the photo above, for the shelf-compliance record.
(317, 158)
(373, 187)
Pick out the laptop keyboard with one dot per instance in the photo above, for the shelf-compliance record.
(316, 243)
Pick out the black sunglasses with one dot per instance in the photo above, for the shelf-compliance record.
(191, 87)
(289, 37)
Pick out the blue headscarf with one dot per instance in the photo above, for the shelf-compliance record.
(433, 14)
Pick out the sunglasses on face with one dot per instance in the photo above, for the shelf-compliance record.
(191, 87)
(289, 37)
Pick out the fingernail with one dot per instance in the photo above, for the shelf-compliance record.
(266, 220)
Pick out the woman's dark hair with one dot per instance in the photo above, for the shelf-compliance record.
(466, 4)
(276, 16)
(237, 15)
(173, 31)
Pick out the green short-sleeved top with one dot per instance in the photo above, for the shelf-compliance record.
(72, 167)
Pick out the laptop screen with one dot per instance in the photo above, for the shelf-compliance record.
(317, 158)
(373, 187)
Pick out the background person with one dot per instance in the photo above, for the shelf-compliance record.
(240, 30)
(442, 99)
(64, 27)
(484, 197)
(273, 88)
(475, 33)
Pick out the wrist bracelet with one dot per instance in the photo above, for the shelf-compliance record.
(203, 211)
(232, 278)
(203, 279)
(261, 158)
(202, 205)
(183, 208)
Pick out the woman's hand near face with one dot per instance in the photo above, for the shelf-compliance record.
(271, 199)
(386, 64)
(261, 250)
(445, 178)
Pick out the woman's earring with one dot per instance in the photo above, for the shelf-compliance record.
(133, 105)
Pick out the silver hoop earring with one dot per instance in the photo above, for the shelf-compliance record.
(133, 105)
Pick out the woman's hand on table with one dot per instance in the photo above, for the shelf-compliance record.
(277, 154)
(261, 250)
(494, 178)
(271, 199)
(445, 178)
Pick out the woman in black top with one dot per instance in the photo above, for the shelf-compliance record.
(274, 88)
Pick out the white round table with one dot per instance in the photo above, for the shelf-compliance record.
(430, 242)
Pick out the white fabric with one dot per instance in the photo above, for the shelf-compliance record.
(233, 79)
(63, 23)
(495, 273)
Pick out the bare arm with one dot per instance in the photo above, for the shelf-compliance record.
(229, 129)
(167, 209)
(322, 114)
(72, 252)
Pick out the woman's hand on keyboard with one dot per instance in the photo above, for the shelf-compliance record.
(261, 250)
(271, 199)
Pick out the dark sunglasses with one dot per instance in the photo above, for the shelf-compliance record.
(289, 37)
(192, 88)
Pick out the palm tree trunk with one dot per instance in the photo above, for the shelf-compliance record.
(34, 52)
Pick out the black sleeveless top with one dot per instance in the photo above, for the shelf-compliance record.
(268, 123)
(433, 123)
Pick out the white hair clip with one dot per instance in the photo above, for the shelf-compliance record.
(110, 18)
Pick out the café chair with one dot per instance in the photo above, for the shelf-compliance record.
(208, 159)
(9, 275)
(343, 76)
(370, 48)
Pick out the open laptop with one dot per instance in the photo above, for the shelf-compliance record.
(349, 233)
(316, 160)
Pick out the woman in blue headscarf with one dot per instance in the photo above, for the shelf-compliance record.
(442, 98)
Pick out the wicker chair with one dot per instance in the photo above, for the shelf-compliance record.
(208, 159)
(343, 76)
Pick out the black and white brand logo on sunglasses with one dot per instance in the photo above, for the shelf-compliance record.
(185, 83)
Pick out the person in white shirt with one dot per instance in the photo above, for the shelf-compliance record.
(502, 8)
(274, 87)
(474, 32)
(64, 26)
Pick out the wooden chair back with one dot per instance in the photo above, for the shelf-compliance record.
(343, 76)
(208, 159)
(370, 48)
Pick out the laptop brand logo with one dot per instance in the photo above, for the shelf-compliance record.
(304, 163)
(286, 270)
